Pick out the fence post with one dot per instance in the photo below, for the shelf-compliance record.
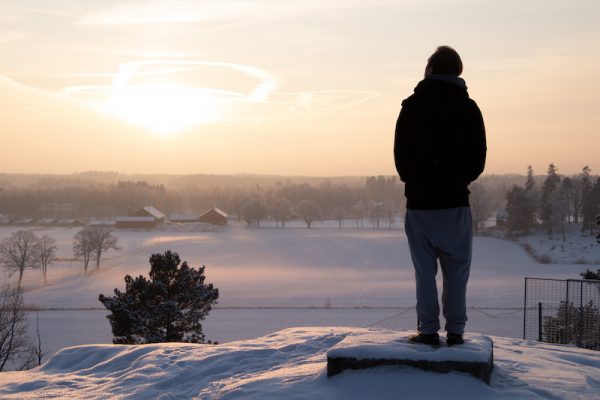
(579, 321)
(567, 335)
(580, 294)
(525, 311)
(540, 321)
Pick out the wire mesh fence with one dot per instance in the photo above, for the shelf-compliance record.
(562, 311)
(497, 321)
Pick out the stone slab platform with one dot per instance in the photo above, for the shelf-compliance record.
(374, 348)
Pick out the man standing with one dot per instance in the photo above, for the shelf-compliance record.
(439, 150)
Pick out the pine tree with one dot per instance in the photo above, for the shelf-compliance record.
(591, 275)
(587, 203)
(547, 205)
(561, 205)
(530, 182)
(594, 208)
(531, 192)
(576, 199)
(518, 208)
(168, 307)
(591, 207)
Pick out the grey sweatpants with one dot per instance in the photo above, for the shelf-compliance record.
(447, 235)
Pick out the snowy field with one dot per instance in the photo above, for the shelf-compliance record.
(276, 268)
(576, 247)
(291, 364)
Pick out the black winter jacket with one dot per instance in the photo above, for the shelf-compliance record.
(440, 145)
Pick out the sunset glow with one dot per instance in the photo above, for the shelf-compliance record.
(312, 88)
(164, 109)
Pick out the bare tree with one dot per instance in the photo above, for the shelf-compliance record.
(480, 205)
(47, 248)
(338, 214)
(359, 212)
(390, 212)
(20, 251)
(282, 211)
(252, 209)
(376, 212)
(83, 245)
(33, 354)
(15, 348)
(102, 241)
(309, 211)
(37, 348)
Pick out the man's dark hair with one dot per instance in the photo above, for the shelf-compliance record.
(445, 61)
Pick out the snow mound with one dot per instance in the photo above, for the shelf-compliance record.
(291, 364)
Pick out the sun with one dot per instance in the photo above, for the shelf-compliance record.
(164, 108)
(167, 96)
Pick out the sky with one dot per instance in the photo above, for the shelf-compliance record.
(309, 87)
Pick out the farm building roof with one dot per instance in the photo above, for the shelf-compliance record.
(154, 212)
(218, 211)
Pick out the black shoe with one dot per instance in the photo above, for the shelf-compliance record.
(453, 339)
(432, 339)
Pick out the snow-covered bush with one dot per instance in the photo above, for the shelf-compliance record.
(168, 307)
(577, 325)
(574, 325)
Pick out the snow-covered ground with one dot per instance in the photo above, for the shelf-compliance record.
(576, 248)
(286, 267)
(291, 364)
(64, 328)
(269, 267)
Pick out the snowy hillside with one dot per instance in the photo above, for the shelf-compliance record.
(576, 247)
(291, 364)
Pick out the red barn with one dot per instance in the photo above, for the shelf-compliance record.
(214, 216)
(135, 223)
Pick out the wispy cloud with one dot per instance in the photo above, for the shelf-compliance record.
(255, 103)
(156, 12)
(167, 12)
(14, 10)
(162, 103)
(154, 95)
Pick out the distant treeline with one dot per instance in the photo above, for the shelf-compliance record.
(251, 198)
(54, 198)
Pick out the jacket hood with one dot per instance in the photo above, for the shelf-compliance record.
(451, 85)
(460, 82)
